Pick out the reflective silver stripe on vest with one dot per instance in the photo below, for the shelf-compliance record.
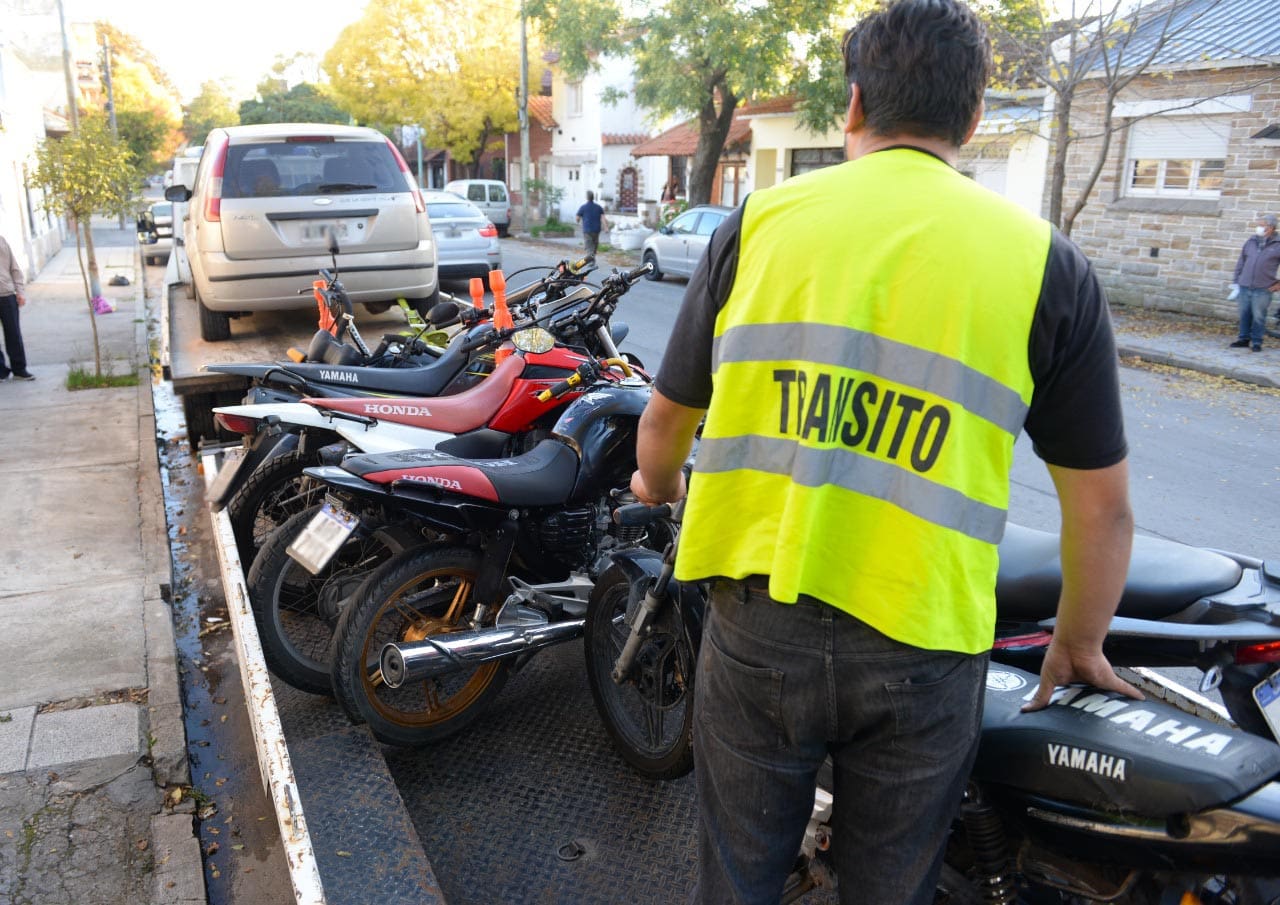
(812, 467)
(848, 348)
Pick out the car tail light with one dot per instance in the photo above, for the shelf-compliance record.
(236, 424)
(1035, 639)
(408, 177)
(1266, 652)
(213, 201)
(489, 231)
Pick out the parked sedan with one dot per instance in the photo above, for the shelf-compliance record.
(676, 248)
(466, 240)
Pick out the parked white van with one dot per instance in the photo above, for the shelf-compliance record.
(490, 195)
(266, 202)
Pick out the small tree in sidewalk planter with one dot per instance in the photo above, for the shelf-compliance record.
(88, 172)
(550, 196)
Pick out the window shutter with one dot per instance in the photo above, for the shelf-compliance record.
(1179, 138)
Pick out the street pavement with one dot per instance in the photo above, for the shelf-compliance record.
(91, 732)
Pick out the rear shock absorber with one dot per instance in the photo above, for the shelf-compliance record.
(990, 849)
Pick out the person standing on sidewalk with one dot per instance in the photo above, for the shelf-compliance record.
(11, 299)
(1256, 277)
(852, 477)
(591, 216)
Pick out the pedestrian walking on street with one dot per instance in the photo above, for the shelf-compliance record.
(852, 477)
(12, 298)
(1256, 278)
(591, 216)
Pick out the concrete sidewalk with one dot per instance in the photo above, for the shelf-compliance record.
(91, 730)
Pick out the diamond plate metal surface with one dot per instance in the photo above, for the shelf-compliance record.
(494, 806)
(365, 844)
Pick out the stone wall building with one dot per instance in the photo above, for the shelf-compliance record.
(1195, 158)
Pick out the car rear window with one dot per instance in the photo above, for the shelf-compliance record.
(497, 193)
(451, 209)
(283, 169)
(475, 193)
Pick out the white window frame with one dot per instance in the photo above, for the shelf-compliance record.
(573, 98)
(1155, 140)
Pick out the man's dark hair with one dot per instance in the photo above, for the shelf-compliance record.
(591, 196)
(921, 66)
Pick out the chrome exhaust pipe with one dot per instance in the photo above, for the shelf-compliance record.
(518, 629)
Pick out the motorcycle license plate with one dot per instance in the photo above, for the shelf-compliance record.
(322, 538)
(1267, 694)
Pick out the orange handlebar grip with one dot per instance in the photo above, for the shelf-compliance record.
(477, 292)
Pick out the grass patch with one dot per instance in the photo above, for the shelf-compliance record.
(551, 228)
(79, 378)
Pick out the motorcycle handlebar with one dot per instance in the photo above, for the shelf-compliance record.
(637, 515)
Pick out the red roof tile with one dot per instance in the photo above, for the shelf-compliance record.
(625, 138)
(682, 140)
(540, 110)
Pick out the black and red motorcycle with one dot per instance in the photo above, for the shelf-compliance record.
(432, 633)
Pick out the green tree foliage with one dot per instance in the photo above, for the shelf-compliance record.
(88, 172)
(703, 56)
(148, 106)
(449, 66)
(208, 110)
(303, 103)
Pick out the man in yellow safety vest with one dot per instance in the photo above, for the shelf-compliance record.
(866, 342)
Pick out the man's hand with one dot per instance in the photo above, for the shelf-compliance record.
(1062, 666)
(651, 498)
(22, 299)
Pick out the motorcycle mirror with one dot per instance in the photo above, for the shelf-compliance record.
(533, 339)
(442, 314)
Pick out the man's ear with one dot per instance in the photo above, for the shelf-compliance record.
(856, 116)
(977, 120)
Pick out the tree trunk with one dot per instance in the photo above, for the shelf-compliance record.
(88, 294)
(713, 129)
(1062, 144)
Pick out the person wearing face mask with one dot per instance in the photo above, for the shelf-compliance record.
(1256, 277)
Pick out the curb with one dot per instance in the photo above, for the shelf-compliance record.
(179, 875)
(1243, 375)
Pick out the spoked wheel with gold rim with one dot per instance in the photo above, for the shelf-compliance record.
(419, 594)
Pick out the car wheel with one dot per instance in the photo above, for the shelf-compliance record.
(424, 306)
(504, 230)
(652, 259)
(377, 307)
(214, 325)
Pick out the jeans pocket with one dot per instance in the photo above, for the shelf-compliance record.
(938, 715)
(741, 704)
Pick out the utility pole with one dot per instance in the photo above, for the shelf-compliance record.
(524, 120)
(66, 71)
(111, 97)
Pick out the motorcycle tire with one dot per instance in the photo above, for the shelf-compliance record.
(419, 593)
(272, 494)
(296, 612)
(636, 713)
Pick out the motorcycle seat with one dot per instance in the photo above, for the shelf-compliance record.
(465, 411)
(544, 476)
(1164, 577)
(426, 380)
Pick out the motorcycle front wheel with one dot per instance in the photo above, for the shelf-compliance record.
(650, 715)
(418, 594)
(296, 612)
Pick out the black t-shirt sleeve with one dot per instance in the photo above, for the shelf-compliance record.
(685, 374)
(1075, 419)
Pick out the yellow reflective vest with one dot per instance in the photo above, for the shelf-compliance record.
(870, 376)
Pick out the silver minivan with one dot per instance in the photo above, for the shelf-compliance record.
(268, 200)
(490, 195)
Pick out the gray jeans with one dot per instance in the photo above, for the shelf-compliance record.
(778, 688)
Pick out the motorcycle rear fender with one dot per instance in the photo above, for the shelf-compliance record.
(270, 443)
(642, 566)
(425, 504)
